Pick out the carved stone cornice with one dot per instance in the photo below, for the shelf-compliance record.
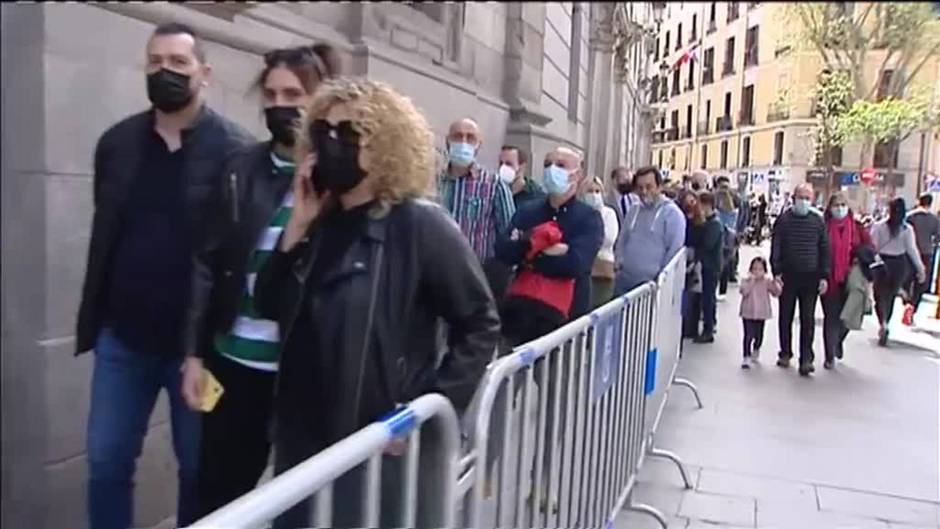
(602, 35)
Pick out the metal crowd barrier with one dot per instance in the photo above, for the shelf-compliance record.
(426, 486)
(575, 412)
(576, 395)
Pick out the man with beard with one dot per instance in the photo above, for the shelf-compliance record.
(153, 175)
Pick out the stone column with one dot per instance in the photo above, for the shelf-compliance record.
(600, 68)
(621, 111)
(522, 74)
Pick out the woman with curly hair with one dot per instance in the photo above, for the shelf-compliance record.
(361, 274)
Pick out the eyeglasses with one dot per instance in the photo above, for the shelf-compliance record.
(298, 55)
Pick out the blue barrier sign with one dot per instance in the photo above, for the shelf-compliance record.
(650, 382)
(607, 353)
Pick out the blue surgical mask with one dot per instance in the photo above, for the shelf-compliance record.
(462, 154)
(593, 199)
(839, 212)
(556, 180)
(801, 206)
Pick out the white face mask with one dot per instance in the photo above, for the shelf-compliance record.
(507, 174)
(594, 200)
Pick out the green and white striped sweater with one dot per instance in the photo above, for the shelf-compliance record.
(254, 341)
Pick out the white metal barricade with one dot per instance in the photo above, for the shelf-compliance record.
(572, 462)
(426, 490)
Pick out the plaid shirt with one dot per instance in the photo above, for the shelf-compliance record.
(481, 204)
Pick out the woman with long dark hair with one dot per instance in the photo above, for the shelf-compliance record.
(845, 235)
(894, 242)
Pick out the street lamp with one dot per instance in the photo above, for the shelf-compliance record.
(659, 9)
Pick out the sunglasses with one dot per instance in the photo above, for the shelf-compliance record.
(295, 56)
(344, 131)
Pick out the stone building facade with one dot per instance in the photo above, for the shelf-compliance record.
(534, 75)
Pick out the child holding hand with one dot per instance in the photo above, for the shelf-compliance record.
(756, 290)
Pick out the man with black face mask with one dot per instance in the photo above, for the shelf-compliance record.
(622, 198)
(153, 173)
(224, 331)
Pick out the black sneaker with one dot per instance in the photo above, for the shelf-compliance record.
(829, 364)
(806, 370)
(783, 362)
(705, 338)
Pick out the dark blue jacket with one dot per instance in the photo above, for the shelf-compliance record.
(582, 230)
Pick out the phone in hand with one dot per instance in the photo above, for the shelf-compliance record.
(211, 393)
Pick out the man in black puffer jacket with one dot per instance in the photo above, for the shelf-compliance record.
(799, 257)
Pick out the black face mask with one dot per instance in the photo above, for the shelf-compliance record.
(337, 149)
(624, 189)
(281, 122)
(168, 90)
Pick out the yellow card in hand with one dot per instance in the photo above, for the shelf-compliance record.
(211, 393)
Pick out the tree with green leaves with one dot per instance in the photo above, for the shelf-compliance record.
(878, 105)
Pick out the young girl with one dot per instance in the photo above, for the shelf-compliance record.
(756, 290)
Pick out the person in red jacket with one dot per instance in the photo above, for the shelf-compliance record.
(845, 235)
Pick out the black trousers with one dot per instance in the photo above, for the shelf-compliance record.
(525, 320)
(919, 289)
(802, 288)
(753, 336)
(235, 435)
(834, 331)
(887, 284)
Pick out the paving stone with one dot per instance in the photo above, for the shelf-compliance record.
(718, 509)
(783, 515)
(887, 508)
(638, 520)
(793, 493)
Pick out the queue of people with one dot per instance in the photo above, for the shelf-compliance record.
(830, 256)
(288, 292)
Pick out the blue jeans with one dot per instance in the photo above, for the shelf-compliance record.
(124, 388)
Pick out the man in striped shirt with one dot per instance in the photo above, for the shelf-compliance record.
(477, 198)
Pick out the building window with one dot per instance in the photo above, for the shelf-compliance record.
(656, 51)
(675, 81)
(694, 34)
(778, 148)
(723, 155)
(746, 152)
(672, 159)
(747, 106)
(712, 10)
(679, 37)
(884, 84)
(733, 11)
(654, 89)
(750, 46)
(835, 157)
(704, 163)
(666, 47)
(708, 114)
(728, 67)
(886, 154)
(688, 122)
(433, 10)
(708, 73)
(690, 85)
(660, 164)
(664, 89)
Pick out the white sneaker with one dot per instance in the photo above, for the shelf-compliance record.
(746, 364)
(755, 355)
(722, 297)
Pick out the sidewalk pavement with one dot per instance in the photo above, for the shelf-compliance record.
(857, 447)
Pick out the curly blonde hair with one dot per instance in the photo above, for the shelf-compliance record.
(397, 141)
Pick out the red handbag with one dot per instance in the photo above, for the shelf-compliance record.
(557, 293)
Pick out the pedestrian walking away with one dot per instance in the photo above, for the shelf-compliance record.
(927, 234)
(710, 255)
(799, 258)
(652, 233)
(362, 272)
(602, 275)
(846, 235)
(896, 247)
(692, 291)
(151, 171)
(755, 309)
(224, 331)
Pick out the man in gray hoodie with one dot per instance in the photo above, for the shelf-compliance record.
(651, 235)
